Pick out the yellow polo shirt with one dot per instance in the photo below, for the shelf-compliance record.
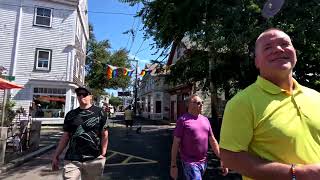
(268, 122)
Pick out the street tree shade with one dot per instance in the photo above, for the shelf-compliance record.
(4, 85)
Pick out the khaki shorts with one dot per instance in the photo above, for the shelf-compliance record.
(88, 170)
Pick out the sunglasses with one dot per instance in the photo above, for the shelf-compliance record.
(198, 103)
(82, 94)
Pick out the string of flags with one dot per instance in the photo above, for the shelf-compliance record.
(113, 72)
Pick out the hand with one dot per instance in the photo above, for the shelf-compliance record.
(174, 172)
(308, 172)
(102, 156)
(224, 169)
(55, 164)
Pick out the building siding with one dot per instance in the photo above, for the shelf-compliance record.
(7, 31)
(59, 38)
(56, 38)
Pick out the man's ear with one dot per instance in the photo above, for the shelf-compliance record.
(256, 62)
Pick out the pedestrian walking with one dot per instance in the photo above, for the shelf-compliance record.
(271, 130)
(85, 130)
(128, 113)
(191, 136)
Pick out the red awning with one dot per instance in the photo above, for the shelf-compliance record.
(4, 84)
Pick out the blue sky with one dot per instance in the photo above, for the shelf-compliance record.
(112, 26)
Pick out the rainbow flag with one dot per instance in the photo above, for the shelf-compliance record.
(127, 72)
(110, 71)
(130, 73)
(115, 73)
(143, 72)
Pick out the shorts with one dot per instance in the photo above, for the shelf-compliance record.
(194, 170)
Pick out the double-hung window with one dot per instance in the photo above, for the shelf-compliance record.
(42, 17)
(43, 59)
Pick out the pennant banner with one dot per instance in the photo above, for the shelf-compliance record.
(145, 72)
(110, 72)
(113, 71)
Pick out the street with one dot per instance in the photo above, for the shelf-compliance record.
(130, 156)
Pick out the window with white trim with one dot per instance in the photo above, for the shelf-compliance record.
(77, 67)
(43, 59)
(42, 17)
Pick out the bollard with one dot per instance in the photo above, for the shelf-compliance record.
(35, 135)
(3, 143)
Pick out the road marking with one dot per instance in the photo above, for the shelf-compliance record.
(127, 160)
(113, 154)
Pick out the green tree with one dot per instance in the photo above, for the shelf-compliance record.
(224, 32)
(227, 30)
(99, 56)
(115, 101)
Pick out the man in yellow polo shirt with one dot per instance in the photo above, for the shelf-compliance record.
(271, 130)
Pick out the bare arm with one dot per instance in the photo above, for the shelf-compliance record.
(62, 144)
(214, 145)
(174, 150)
(104, 142)
(257, 168)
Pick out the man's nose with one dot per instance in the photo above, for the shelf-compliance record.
(278, 48)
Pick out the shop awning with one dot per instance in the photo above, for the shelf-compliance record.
(4, 84)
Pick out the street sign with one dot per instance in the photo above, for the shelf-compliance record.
(126, 93)
(10, 78)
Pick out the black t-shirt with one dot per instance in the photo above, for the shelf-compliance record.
(85, 127)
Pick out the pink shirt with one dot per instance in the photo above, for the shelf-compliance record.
(194, 132)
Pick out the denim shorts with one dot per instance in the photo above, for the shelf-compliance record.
(194, 170)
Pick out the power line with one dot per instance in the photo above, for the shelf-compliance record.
(85, 11)
(134, 31)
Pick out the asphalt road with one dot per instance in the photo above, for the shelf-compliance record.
(130, 156)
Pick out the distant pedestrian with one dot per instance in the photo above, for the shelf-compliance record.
(128, 113)
(191, 136)
(85, 130)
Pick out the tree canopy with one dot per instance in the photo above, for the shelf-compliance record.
(226, 31)
(99, 56)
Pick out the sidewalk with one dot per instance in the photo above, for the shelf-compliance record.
(49, 137)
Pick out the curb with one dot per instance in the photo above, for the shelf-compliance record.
(19, 161)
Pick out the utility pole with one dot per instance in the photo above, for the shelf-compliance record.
(135, 87)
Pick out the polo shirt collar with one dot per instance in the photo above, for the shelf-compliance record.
(274, 89)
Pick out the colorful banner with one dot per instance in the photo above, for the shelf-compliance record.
(127, 72)
(145, 72)
(110, 72)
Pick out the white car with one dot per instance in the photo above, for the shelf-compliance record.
(111, 109)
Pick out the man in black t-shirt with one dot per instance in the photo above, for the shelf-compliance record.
(85, 130)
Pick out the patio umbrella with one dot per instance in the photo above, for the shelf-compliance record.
(4, 85)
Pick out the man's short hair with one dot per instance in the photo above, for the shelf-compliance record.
(188, 99)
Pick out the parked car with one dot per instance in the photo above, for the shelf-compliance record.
(111, 109)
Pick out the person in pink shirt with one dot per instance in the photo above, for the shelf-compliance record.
(191, 136)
